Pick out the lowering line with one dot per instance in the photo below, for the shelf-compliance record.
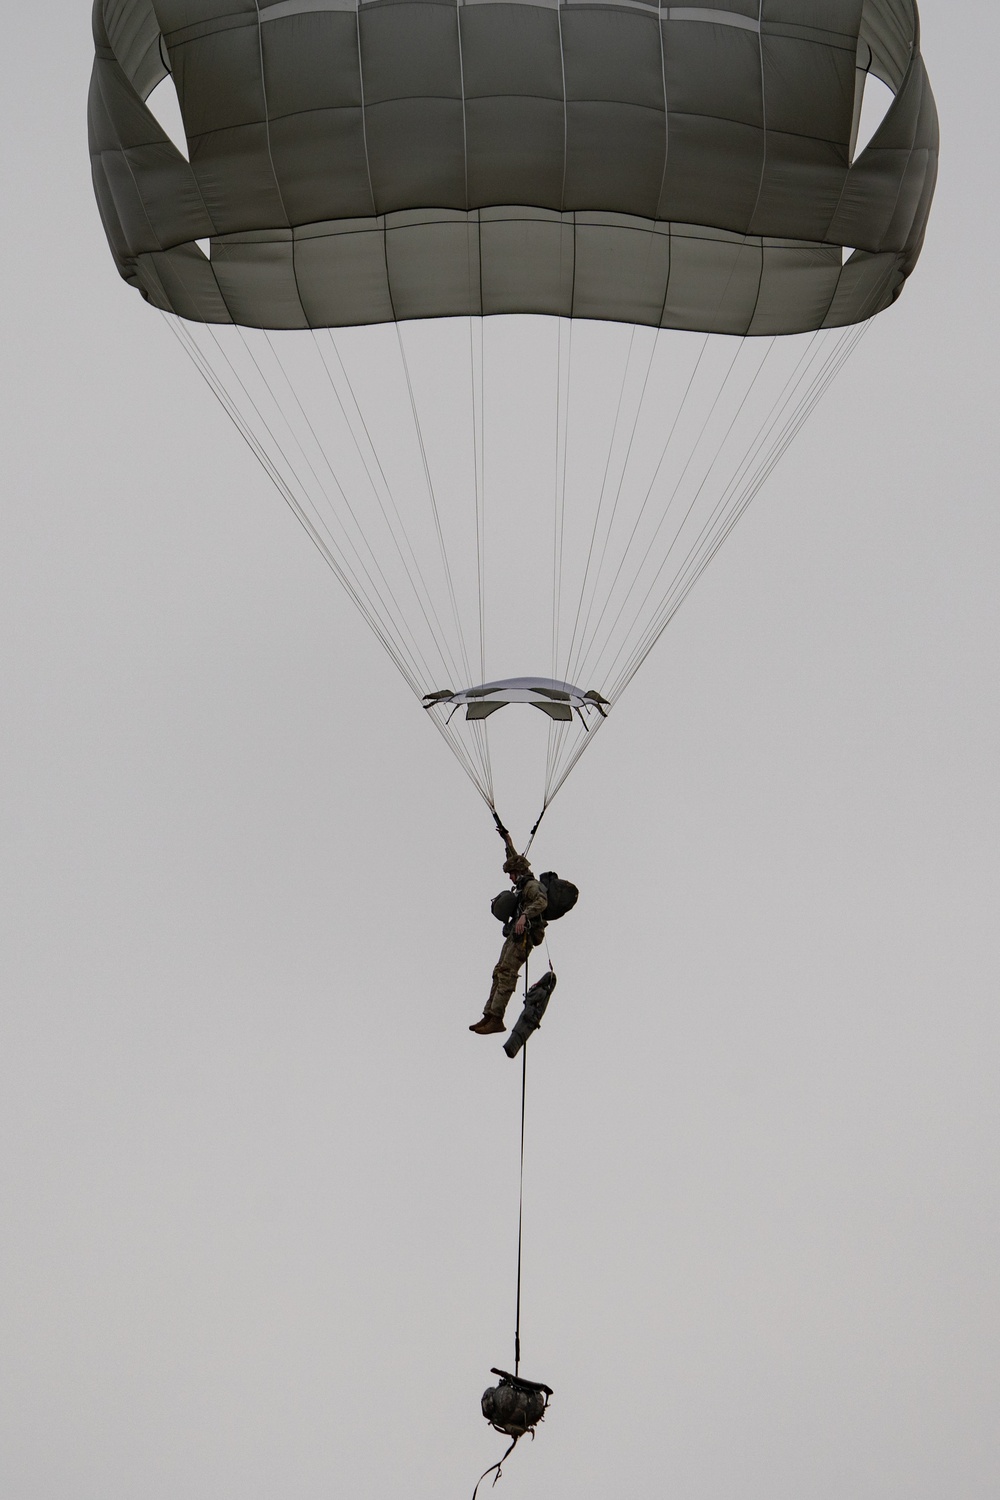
(516, 1406)
(520, 1196)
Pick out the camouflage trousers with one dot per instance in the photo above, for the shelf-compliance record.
(512, 955)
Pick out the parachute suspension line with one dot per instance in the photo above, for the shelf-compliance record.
(477, 371)
(700, 553)
(670, 435)
(559, 734)
(817, 367)
(644, 553)
(321, 449)
(556, 739)
(564, 378)
(655, 345)
(565, 757)
(558, 525)
(481, 736)
(828, 373)
(603, 490)
(787, 416)
(479, 733)
(382, 491)
(830, 369)
(564, 389)
(465, 760)
(795, 421)
(556, 766)
(432, 497)
(313, 526)
(581, 745)
(550, 747)
(694, 499)
(353, 415)
(801, 392)
(481, 729)
(389, 632)
(589, 636)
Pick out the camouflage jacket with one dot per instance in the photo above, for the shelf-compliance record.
(531, 902)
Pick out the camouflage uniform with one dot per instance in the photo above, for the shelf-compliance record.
(531, 905)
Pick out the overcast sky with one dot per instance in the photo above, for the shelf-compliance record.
(259, 1183)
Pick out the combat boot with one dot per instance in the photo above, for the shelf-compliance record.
(488, 1026)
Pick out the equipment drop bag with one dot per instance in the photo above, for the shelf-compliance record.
(530, 1018)
(515, 1406)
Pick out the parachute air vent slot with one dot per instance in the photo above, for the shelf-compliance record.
(163, 105)
(875, 105)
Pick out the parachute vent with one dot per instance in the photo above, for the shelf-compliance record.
(875, 105)
(165, 108)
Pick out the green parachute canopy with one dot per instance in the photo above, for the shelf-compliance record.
(364, 161)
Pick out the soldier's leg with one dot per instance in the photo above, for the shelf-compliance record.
(512, 956)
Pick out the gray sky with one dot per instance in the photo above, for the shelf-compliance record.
(259, 1183)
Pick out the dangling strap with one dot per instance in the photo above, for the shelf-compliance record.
(498, 1466)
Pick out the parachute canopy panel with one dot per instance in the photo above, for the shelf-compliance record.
(558, 700)
(675, 166)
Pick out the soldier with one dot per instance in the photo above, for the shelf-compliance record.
(521, 934)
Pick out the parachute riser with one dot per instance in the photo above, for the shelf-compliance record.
(505, 833)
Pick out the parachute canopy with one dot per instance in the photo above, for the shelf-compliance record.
(365, 180)
(365, 161)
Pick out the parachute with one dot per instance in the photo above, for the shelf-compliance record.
(518, 304)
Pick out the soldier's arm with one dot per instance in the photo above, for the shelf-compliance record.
(533, 900)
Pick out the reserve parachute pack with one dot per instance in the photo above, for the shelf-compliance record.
(561, 896)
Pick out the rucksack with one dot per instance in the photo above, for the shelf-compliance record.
(562, 895)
